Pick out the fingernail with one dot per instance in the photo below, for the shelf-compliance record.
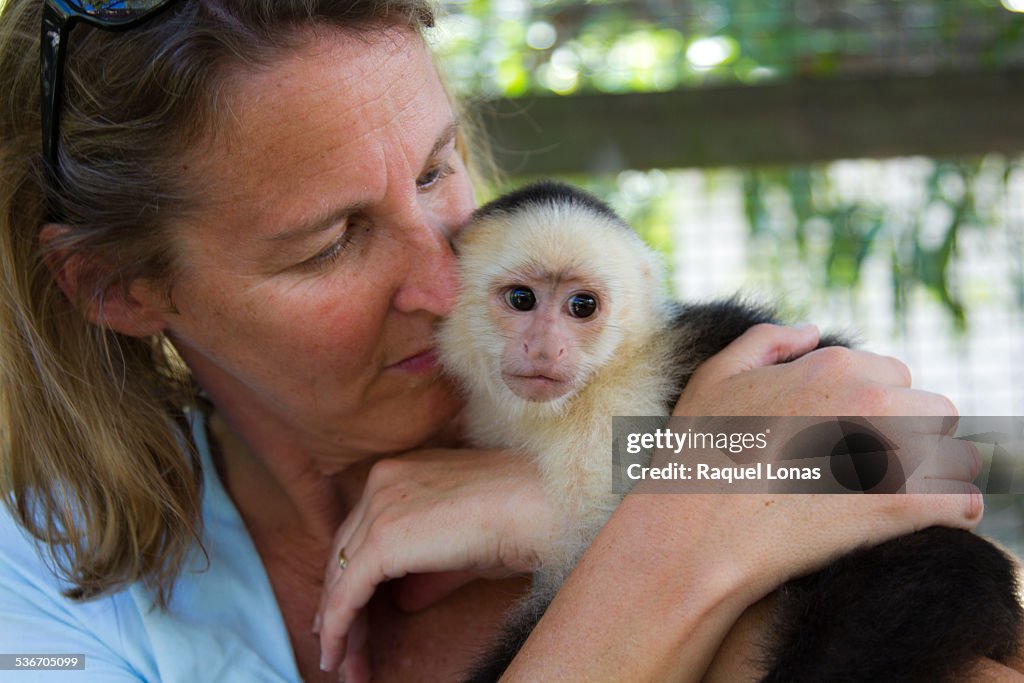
(317, 620)
(323, 663)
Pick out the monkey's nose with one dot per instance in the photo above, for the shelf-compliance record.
(543, 352)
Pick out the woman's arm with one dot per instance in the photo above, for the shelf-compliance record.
(635, 608)
(669, 574)
(657, 591)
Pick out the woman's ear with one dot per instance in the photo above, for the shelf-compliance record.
(134, 309)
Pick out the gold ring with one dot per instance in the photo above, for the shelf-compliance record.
(342, 560)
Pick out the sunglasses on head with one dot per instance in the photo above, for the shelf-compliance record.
(59, 17)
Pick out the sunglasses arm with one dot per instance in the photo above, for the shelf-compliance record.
(53, 50)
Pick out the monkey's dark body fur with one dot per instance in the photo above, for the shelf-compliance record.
(923, 607)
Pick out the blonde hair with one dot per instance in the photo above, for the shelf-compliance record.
(92, 462)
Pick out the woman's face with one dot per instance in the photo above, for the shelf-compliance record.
(319, 261)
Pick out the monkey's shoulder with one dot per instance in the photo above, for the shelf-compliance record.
(705, 328)
(694, 332)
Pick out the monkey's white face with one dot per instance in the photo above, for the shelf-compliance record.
(549, 322)
(535, 317)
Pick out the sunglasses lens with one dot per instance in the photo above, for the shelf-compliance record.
(114, 10)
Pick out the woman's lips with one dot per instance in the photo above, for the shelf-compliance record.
(422, 362)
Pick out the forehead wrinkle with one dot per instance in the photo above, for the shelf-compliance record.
(259, 138)
(254, 97)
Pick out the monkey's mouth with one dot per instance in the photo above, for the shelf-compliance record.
(537, 388)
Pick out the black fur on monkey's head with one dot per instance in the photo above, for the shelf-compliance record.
(546, 192)
(553, 228)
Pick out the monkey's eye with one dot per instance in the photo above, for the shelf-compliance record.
(582, 305)
(520, 298)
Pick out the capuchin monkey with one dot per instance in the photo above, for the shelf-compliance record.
(562, 322)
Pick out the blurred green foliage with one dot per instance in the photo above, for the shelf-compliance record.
(919, 240)
(512, 47)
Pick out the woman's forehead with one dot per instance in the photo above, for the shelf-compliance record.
(356, 78)
(342, 111)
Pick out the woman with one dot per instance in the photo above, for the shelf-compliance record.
(255, 198)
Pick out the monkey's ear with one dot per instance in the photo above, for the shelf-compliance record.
(134, 309)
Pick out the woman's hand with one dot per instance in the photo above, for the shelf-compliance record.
(748, 379)
(474, 513)
(751, 377)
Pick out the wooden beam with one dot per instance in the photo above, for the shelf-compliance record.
(794, 122)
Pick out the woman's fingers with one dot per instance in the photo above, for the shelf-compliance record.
(926, 404)
(463, 513)
(915, 449)
(766, 345)
(760, 346)
(949, 464)
(750, 377)
(341, 604)
(390, 549)
(869, 367)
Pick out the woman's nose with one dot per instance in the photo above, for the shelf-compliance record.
(430, 279)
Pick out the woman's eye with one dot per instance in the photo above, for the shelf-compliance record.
(521, 298)
(434, 175)
(582, 305)
(330, 254)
